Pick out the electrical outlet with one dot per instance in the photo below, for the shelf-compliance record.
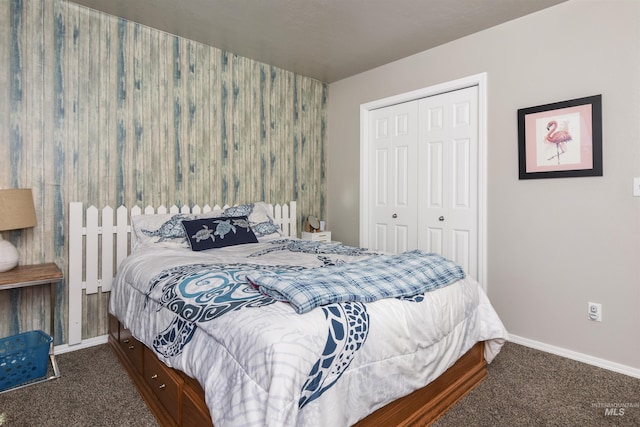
(594, 311)
(636, 186)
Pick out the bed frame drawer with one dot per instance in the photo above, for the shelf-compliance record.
(194, 409)
(114, 327)
(165, 384)
(131, 347)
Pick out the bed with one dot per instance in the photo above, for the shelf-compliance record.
(206, 342)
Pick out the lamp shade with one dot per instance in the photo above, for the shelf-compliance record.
(16, 209)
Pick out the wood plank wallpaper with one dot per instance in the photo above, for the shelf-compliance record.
(101, 110)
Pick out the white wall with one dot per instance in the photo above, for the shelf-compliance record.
(553, 244)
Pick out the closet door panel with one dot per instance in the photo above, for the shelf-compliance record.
(402, 169)
(379, 240)
(461, 244)
(434, 240)
(401, 238)
(448, 195)
(381, 177)
(431, 157)
(393, 209)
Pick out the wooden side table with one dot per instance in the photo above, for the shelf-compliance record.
(319, 236)
(24, 276)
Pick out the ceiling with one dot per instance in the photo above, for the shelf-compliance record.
(324, 39)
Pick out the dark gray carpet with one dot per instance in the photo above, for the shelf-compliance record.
(525, 387)
(94, 390)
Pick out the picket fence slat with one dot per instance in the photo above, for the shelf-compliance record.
(107, 249)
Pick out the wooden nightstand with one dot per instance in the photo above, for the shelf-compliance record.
(25, 276)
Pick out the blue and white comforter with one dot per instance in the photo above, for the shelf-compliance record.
(262, 364)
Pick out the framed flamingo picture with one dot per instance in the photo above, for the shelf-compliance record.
(563, 139)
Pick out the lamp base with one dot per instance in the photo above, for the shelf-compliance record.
(9, 255)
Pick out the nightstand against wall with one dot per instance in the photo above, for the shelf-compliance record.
(25, 276)
(320, 236)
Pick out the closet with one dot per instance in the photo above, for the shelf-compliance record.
(422, 163)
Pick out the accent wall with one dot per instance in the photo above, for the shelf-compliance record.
(97, 109)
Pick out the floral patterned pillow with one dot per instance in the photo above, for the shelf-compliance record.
(209, 233)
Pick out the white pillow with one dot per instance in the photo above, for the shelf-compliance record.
(260, 219)
(164, 229)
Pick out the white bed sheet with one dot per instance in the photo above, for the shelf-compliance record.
(253, 361)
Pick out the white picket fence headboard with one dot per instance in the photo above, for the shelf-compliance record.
(99, 241)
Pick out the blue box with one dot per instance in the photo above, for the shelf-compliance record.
(23, 358)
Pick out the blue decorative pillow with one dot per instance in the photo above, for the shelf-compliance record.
(208, 233)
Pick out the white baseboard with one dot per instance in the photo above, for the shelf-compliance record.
(580, 357)
(91, 342)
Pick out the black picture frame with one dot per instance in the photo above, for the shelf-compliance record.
(561, 139)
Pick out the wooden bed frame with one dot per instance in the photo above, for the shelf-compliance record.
(174, 398)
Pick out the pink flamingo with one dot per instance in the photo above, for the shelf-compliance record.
(559, 138)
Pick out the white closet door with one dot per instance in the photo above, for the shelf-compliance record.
(393, 178)
(448, 176)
